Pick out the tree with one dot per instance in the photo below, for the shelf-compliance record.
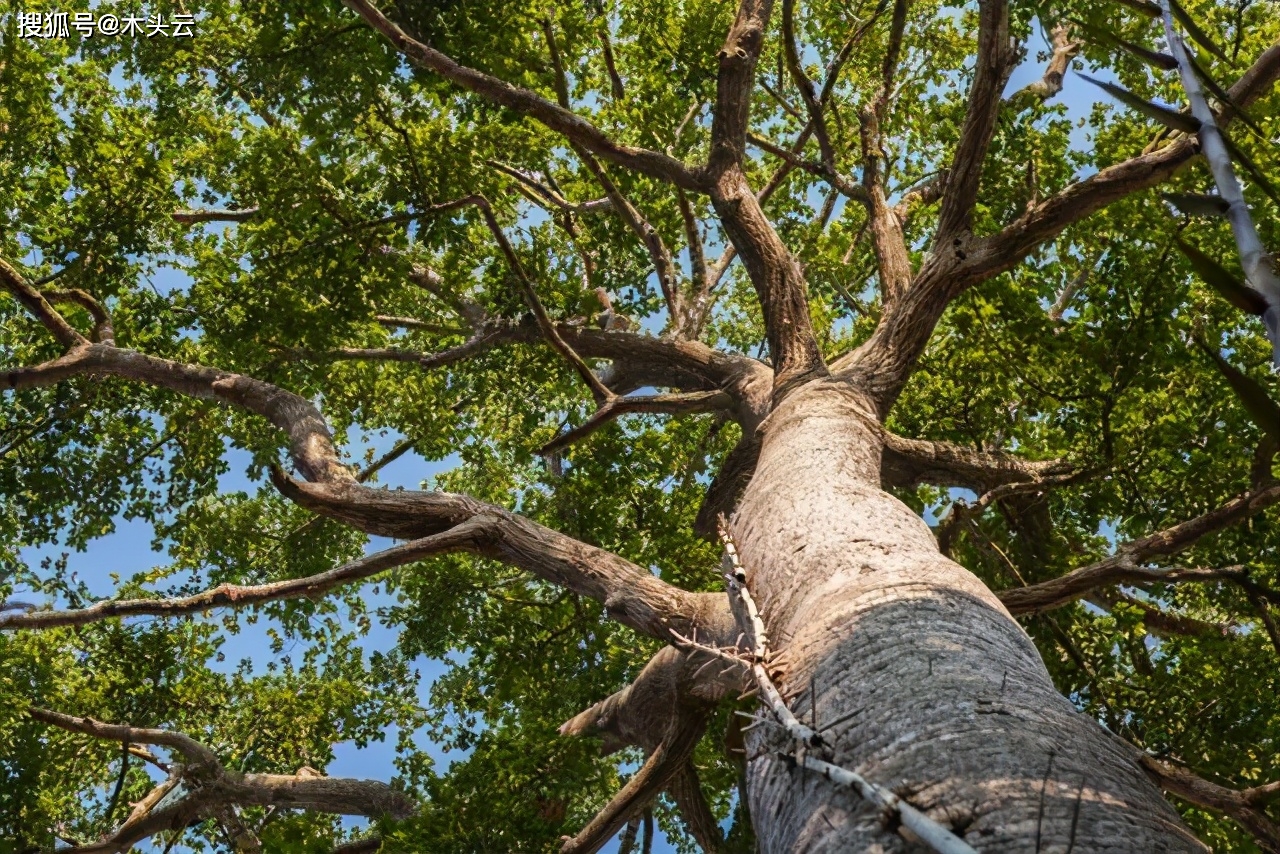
(816, 275)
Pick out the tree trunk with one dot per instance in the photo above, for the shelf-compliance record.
(925, 681)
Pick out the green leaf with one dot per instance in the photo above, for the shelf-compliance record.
(1223, 97)
(1261, 408)
(1146, 7)
(1247, 163)
(1197, 204)
(1169, 118)
(1195, 31)
(1150, 57)
(1216, 276)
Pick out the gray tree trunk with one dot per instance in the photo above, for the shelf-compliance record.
(933, 689)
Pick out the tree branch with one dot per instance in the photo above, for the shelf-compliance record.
(1064, 50)
(629, 593)
(1124, 567)
(662, 765)
(34, 302)
(195, 217)
(238, 596)
(203, 787)
(883, 363)
(909, 462)
(557, 118)
(666, 404)
(893, 261)
(1245, 806)
(1001, 251)
(995, 61)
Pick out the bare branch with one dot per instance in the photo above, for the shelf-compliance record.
(630, 594)
(908, 462)
(691, 803)
(995, 61)
(195, 217)
(1245, 806)
(34, 302)
(1064, 50)
(238, 596)
(557, 118)
(1125, 566)
(883, 363)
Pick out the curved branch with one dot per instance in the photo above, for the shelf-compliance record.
(629, 593)
(34, 302)
(1245, 806)
(240, 596)
(203, 787)
(557, 118)
(1124, 567)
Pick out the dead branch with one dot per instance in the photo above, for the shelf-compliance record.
(629, 593)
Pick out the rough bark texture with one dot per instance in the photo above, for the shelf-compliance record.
(926, 683)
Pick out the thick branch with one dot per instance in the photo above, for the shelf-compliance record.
(629, 593)
(557, 118)
(1245, 806)
(14, 282)
(994, 63)
(909, 462)
(194, 751)
(1001, 251)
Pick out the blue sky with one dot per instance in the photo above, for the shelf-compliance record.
(128, 549)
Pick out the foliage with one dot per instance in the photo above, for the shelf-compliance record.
(298, 110)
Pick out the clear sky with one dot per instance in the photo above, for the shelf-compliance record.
(128, 549)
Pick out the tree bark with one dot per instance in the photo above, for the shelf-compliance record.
(918, 677)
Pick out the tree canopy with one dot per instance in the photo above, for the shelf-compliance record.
(490, 237)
